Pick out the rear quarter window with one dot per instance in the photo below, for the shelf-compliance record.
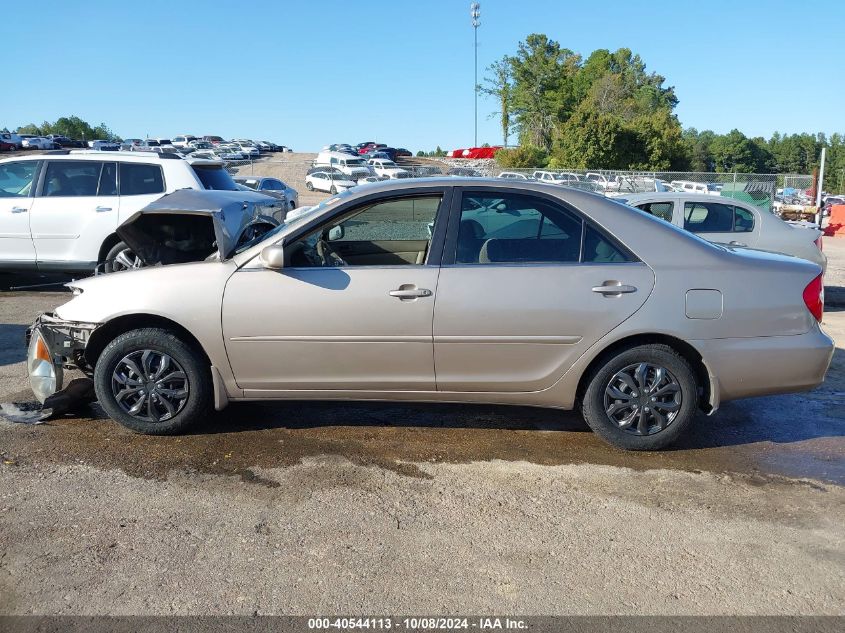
(215, 177)
(139, 179)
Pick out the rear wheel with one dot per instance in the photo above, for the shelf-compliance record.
(333, 189)
(153, 382)
(120, 257)
(309, 186)
(642, 398)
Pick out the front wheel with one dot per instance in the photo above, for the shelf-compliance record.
(120, 257)
(152, 382)
(333, 189)
(642, 398)
(309, 186)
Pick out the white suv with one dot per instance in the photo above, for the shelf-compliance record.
(59, 211)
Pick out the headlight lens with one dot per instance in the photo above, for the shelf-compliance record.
(45, 378)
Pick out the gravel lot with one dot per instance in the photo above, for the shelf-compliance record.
(322, 508)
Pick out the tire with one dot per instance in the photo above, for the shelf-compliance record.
(189, 400)
(333, 189)
(666, 415)
(309, 186)
(120, 257)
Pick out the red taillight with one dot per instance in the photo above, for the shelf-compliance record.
(814, 297)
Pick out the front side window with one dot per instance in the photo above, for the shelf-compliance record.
(138, 179)
(71, 178)
(386, 233)
(514, 228)
(662, 210)
(708, 217)
(16, 179)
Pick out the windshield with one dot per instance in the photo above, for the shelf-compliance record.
(300, 218)
(354, 162)
(215, 177)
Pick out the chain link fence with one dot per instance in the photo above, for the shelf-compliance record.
(767, 191)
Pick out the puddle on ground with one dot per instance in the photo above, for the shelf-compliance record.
(777, 436)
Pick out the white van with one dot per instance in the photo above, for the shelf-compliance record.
(350, 165)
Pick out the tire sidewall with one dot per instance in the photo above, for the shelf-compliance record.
(160, 340)
(593, 400)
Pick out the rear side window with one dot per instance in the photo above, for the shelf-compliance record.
(662, 210)
(514, 228)
(715, 217)
(215, 177)
(72, 178)
(138, 179)
(272, 185)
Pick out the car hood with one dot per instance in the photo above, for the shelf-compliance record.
(190, 225)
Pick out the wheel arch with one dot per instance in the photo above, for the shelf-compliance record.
(106, 246)
(108, 331)
(708, 398)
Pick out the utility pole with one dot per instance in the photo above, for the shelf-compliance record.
(819, 189)
(475, 13)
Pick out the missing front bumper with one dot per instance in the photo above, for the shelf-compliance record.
(55, 345)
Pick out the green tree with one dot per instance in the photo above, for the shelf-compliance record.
(542, 95)
(499, 86)
(72, 127)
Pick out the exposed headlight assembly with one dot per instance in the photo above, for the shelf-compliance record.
(45, 375)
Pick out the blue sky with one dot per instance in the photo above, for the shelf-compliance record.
(308, 73)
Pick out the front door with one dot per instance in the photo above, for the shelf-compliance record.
(16, 188)
(75, 210)
(530, 287)
(351, 310)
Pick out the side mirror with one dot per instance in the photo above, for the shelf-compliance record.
(336, 233)
(273, 257)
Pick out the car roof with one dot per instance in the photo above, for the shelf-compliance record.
(64, 154)
(691, 197)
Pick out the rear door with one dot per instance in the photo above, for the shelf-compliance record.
(76, 207)
(17, 184)
(527, 285)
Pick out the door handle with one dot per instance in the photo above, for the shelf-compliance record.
(102, 209)
(735, 243)
(412, 292)
(613, 288)
(19, 209)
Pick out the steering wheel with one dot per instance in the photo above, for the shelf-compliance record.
(328, 255)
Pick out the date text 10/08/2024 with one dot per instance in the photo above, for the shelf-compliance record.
(419, 623)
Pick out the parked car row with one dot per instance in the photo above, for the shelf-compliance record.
(207, 147)
(368, 149)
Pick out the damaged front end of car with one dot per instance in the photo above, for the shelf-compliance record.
(55, 346)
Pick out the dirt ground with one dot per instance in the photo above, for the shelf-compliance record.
(315, 508)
